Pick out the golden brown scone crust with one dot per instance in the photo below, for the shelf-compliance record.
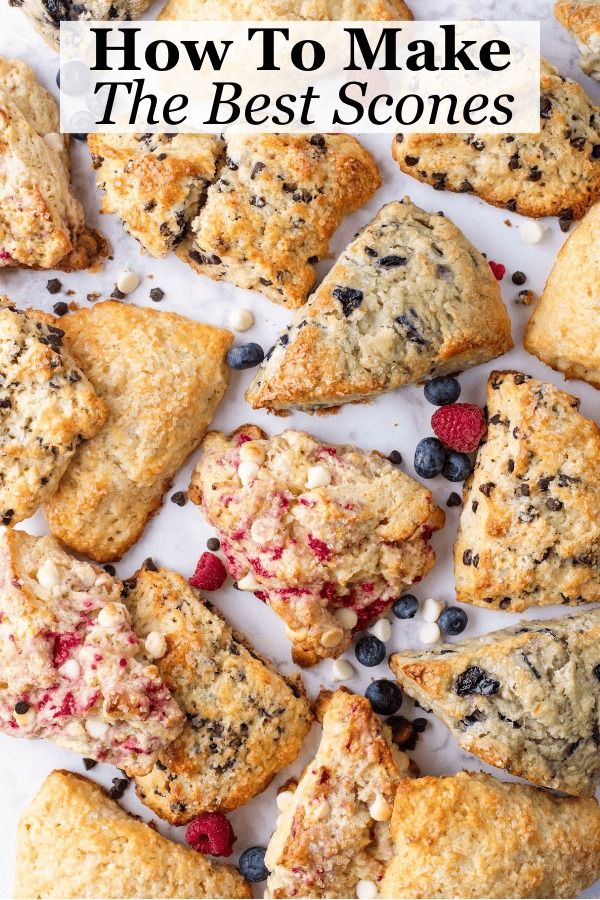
(74, 841)
(162, 377)
(321, 10)
(470, 835)
(46, 17)
(504, 170)
(582, 18)
(564, 330)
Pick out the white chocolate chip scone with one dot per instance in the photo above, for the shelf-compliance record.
(327, 535)
(582, 19)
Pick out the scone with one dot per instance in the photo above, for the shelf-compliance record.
(335, 831)
(290, 10)
(582, 18)
(46, 15)
(470, 835)
(74, 841)
(47, 407)
(162, 377)
(327, 535)
(72, 668)
(277, 201)
(156, 183)
(529, 532)
(525, 699)
(553, 173)
(564, 330)
(408, 299)
(244, 721)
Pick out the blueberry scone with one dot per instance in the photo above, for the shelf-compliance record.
(564, 330)
(470, 835)
(553, 173)
(525, 699)
(74, 841)
(46, 15)
(47, 407)
(582, 19)
(72, 668)
(162, 377)
(327, 535)
(408, 299)
(156, 183)
(277, 201)
(290, 10)
(529, 532)
(244, 721)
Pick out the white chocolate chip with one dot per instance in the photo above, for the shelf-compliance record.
(111, 615)
(284, 800)
(299, 634)
(96, 727)
(127, 282)
(293, 437)
(341, 670)
(55, 141)
(85, 575)
(253, 451)
(532, 232)
(248, 583)
(331, 637)
(381, 629)
(262, 531)
(346, 617)
(430, 633)
(380, 810)
(240, 319)
(321, 811)
(366, 890)
(431, 609)
(318, 476)
(48, 575)
(247, 472)
(156, 645)
(71, 669)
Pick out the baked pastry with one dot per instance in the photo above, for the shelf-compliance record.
(47, 406)
(525, 699)
(529, 529)
(322, 10)
(470, 835)
(327, 535)
(409, 298)
(277, 201)
(336, 831)
(46, 15)
(232, 745)
(74, 841)
(555, 172)
(162, 377)
(564, 330)
(72, 668)
(582, 18)
(156, 183)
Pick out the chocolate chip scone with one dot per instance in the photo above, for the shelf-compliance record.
(72, 668)
(553, 173)
(408, 299)
(245, 722)
(564, 330)
(277, 201)
(529, 531)
(290, 10)
(525, 699)
(470, 835)
(327, 535)
(582, 18)
(46, 15)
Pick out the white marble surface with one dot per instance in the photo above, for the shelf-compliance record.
(177, 536)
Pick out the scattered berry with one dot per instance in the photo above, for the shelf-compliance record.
(459, 426)
(519, 278)
(369, 650)
(384, 696)
(61, 308)
(430, 455)
(405, 607)
(252, 864)
(245, 356)
(395, 458)
(53, 286)
(457, 466)
(211, 833)
(498, 269)
(442, 390)
(453, 499)
(453, 620)
(210, 573)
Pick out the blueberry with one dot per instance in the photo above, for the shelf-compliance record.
(369, 650)
(252, 864)
(405, 607)
(442, 390)
(245, 356)
(457, 466)
(430, 456)
(453, 620)
(384, 696)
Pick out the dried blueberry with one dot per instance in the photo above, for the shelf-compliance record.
(475, 681)
(384, 696)
(391, 262)
(245, 356)
(369, 650)
(252, 864)
(430, 457)
(350, 298)
(453, 620)
(405, 607)
(442, 390)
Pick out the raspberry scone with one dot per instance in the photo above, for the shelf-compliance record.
(72, 668)
(555, 172)
(564, 330)
(525, 699)
(290, 10)
(231, 746)
(408, 299)
(47, 407)
(46, 15)
(582, 19)
(327, 535)
(335, 831)
(74, 841)
(470, 835)
(162, 376)
(529, 532)
(276, 203)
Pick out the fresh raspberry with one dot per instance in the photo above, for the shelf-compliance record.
(210, 573)
(498, 269)
(459, 426)
(211, 833)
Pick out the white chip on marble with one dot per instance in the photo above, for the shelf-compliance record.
(430, 633)
(284, 800)
(431, 609)
(240, 319)
(531, 231)
(127, 282)
(341, 670)
(381, 629)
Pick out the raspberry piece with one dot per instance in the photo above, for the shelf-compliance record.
(459, 426)
(210, 573)
(211, 833)
(62, 646)
(498, 269)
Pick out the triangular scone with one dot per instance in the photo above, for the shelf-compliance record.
(290, 10)
(47, 16)
(278, 200)
(162, 377)
(582, 18)
(470, 835)
(408, 299)
(336, 830)
(328, 535)
(564, 330)
(156, 183)
(525, 699)
(529, 529)
(553, 173)
(232, 745)
(74, 841)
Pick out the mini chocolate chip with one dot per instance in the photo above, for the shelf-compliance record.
(595, 154)
(596, 671)
(519, 278)
(89, 763)
(454, 499)
(21, 707)
(577, 143)
(61, 308)
(119, 786)
(259, 202)
(545, 107)
(487, 488)
(370, 252)
(395, 457)
(117, 294)
(150, 205)
(53, 286)
(317, 140)
(205, 259)
(553, 504)
(514, 162)
(312, 260)
(511, 205)
(256, 170)
(505, 603)
(213, 543)
(467, 557)
(109, 569)
(161, 156)
(411, 160)
(511, 465)
(149, 565)
(156, 294)
(534, 174)
(179, 498)
(523, 490)
(475, 505)
(7, 517)
(465, 187)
